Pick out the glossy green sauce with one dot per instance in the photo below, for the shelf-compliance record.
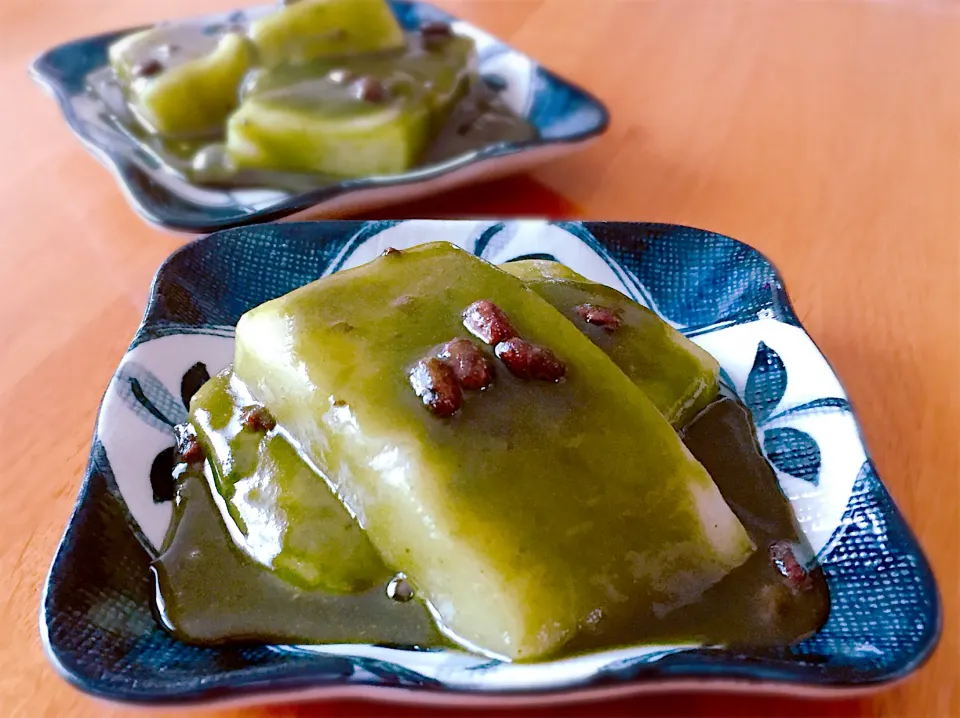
(417, 77)
(210, 592)
(679, 377)
(751, 606)
(527, 493)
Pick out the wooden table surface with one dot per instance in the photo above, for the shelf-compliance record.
(826, 134)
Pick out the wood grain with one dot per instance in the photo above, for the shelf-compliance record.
(826, 134)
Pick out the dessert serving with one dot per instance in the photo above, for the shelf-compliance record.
(429, 450)
(313, 92)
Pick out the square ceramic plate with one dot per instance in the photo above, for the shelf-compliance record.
(96, 618)
(565, 117)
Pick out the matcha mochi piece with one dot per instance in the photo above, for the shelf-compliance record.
(679, 377)
(538, 508)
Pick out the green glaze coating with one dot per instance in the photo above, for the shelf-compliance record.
(309, 117)
(310, 29)
(750, 607)
(316, 91)
(196, 84)
(679, 377)
(538, 508)
(281, 511)
(540, 269)
(209, 591)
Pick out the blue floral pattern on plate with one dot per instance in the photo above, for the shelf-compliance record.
(96, 617)
(564, 115)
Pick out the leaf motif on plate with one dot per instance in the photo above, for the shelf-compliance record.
(193, 378)
(146, 395)
(793, 452)
(545, 256)
(824, 404)
(766, 383)
(161, 475)
(495, 81)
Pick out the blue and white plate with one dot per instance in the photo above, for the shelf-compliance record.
(565, 117)
(96, 618)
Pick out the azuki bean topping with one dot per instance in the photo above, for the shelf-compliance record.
(437, 385)
(785, 561)
(370, 89)
(488, 323)
(530, 361)
(257, 418)
(148, 68)
(599, 316)
(189, 449)
(470, 365)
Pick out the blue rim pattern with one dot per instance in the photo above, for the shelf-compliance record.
(96, 618)
(563, 113)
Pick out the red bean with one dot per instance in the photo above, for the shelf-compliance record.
(257, 418)
(785, 561)
(370, 89)
(189, 449)
(435, 34)
(530, 361)
(599, 316)
(437, 29)
(148, 68)
(488, 323)
(437, 385)
(470, 365)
